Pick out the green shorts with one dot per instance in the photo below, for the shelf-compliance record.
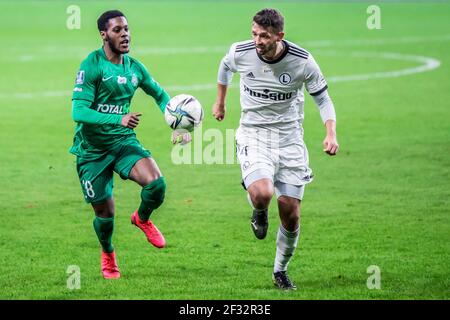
(96, 176)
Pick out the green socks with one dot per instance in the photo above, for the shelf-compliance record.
(152, 196)
(104, 229)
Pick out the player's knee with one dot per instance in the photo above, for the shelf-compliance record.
(290, 212)
(154, 192)
(261, 198)
(261, 192)
(291, 219)
(104, 209)
(104, 213)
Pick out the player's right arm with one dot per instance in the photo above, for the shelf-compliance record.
(84, 95)
(224, 78)
(218, 109)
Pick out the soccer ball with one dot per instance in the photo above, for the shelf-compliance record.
(183, 112)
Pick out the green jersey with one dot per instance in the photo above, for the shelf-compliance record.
(101, 96)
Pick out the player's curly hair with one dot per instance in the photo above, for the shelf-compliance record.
(270, 18)
(102, 21)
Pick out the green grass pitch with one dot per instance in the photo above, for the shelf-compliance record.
(384, 200)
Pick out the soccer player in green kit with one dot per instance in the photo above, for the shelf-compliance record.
(105, 141)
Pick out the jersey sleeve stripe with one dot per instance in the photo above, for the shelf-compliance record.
(298, 55)
(299, 51)
(295, 48)
(319, 92)
(246, 46)
(247, 49)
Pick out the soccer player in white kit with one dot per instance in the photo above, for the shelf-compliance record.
(269, 140)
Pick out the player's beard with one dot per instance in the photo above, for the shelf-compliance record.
(268, 48)
(115, 49)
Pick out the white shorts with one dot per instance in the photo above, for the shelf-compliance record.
(278, 154)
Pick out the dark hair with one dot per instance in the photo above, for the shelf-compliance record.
(270, 18)
(102, 21)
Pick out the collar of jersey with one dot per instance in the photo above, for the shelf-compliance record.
(285, 52)
(125, 64)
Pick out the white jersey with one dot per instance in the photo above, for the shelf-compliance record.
(271, 92)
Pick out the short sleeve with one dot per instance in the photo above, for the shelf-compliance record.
(314, 81)
(229, 59)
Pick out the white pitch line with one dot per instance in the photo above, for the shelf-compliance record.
(64, 53)
(427, 64)
(375, 42)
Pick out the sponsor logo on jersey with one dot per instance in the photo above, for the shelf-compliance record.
(80, 77)
(111, 108)
(285, 78)
(267, 94)
(78, 89)
(134, 80)
(121, 80)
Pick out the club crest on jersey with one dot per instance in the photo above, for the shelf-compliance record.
(134, 80)
(285, 78)
(80, 77)
(121, 80)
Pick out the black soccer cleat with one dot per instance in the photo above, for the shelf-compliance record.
(260, 223)
(282, 281)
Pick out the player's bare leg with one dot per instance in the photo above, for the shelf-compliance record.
(287, 239)
(147, 174)
(145, 171)
(289, 210)
(260, 192)
(104, 226)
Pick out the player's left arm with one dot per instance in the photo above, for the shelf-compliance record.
(328, 115)
(152, 88)
(318, 89)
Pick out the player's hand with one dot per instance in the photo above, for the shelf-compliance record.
(330, 144)
(218, 111)
(181, 136)
(131, 120)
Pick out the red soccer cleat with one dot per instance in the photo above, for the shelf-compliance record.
(110, 270)
(154, 236)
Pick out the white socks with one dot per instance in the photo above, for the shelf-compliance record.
(286, 244)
